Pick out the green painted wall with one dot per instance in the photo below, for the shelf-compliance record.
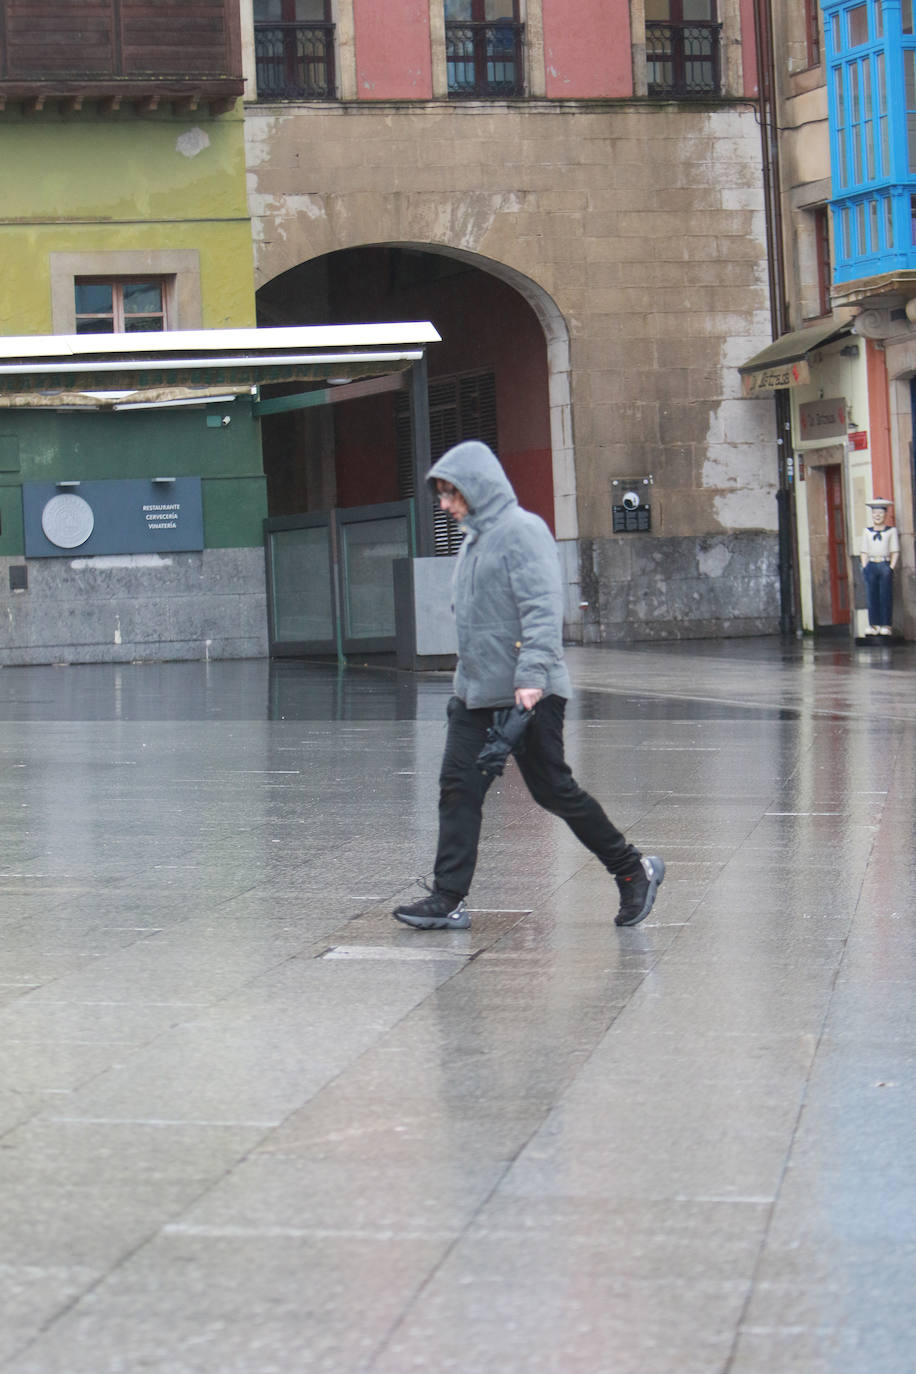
(12, 542)
(234, 512)
(49, 447)
(85, 183)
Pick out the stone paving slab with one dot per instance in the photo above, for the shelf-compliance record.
(251, 1125)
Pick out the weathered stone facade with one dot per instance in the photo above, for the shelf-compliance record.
(717, 585)
(635, 230)
(156, 607)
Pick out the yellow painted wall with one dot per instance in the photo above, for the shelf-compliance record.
(86, 184)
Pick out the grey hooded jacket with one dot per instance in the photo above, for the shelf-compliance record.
(507, 592)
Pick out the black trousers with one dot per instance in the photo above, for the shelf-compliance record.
(462, 789)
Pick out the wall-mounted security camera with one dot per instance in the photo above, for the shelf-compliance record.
(631, 511)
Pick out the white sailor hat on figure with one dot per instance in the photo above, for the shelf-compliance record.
(879, 503)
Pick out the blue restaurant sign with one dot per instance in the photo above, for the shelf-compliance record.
(85, 519)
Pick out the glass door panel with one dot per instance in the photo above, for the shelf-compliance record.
(331, 579)
(302, 599)
(369, 549)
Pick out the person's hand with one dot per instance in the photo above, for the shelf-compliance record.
(528, 697)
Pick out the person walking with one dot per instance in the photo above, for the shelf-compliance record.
(508, 605)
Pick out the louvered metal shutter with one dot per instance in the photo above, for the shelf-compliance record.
(459, 408)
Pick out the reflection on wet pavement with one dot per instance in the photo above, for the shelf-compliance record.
(250, 1124)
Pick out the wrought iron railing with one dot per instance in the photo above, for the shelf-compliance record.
(683, 59)
(484, 60)
(294, 61)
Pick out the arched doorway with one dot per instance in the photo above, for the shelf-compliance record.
(501, 374)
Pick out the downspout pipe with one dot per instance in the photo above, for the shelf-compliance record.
(772, 194)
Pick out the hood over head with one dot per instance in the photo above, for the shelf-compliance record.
(476, 471)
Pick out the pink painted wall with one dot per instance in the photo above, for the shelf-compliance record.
(587, 50)
(392, 50)
(748, 48)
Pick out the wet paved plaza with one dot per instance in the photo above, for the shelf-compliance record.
(251, 1125)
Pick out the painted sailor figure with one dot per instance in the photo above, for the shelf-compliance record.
(878, 553)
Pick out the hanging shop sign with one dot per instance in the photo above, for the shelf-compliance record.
(822, 419)
(778, 378)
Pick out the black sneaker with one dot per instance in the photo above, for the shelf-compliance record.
(435, 912)
(637, 892)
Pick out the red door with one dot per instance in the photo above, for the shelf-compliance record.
(836, 541)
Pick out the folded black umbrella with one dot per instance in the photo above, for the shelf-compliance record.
(504, 737)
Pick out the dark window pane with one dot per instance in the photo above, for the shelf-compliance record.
(858, 25)
(96, 326)
(682, 59)
(143, 324)
(93, 298)
(295, 58)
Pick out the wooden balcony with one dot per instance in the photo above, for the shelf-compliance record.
(138, 54)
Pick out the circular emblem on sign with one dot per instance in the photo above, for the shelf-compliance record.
(67, 521)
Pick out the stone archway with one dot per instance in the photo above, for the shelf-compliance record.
(556, 336)
(311, 293)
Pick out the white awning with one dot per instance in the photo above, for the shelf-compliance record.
(185, 360)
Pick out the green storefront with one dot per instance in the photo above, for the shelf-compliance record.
(132, 495)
